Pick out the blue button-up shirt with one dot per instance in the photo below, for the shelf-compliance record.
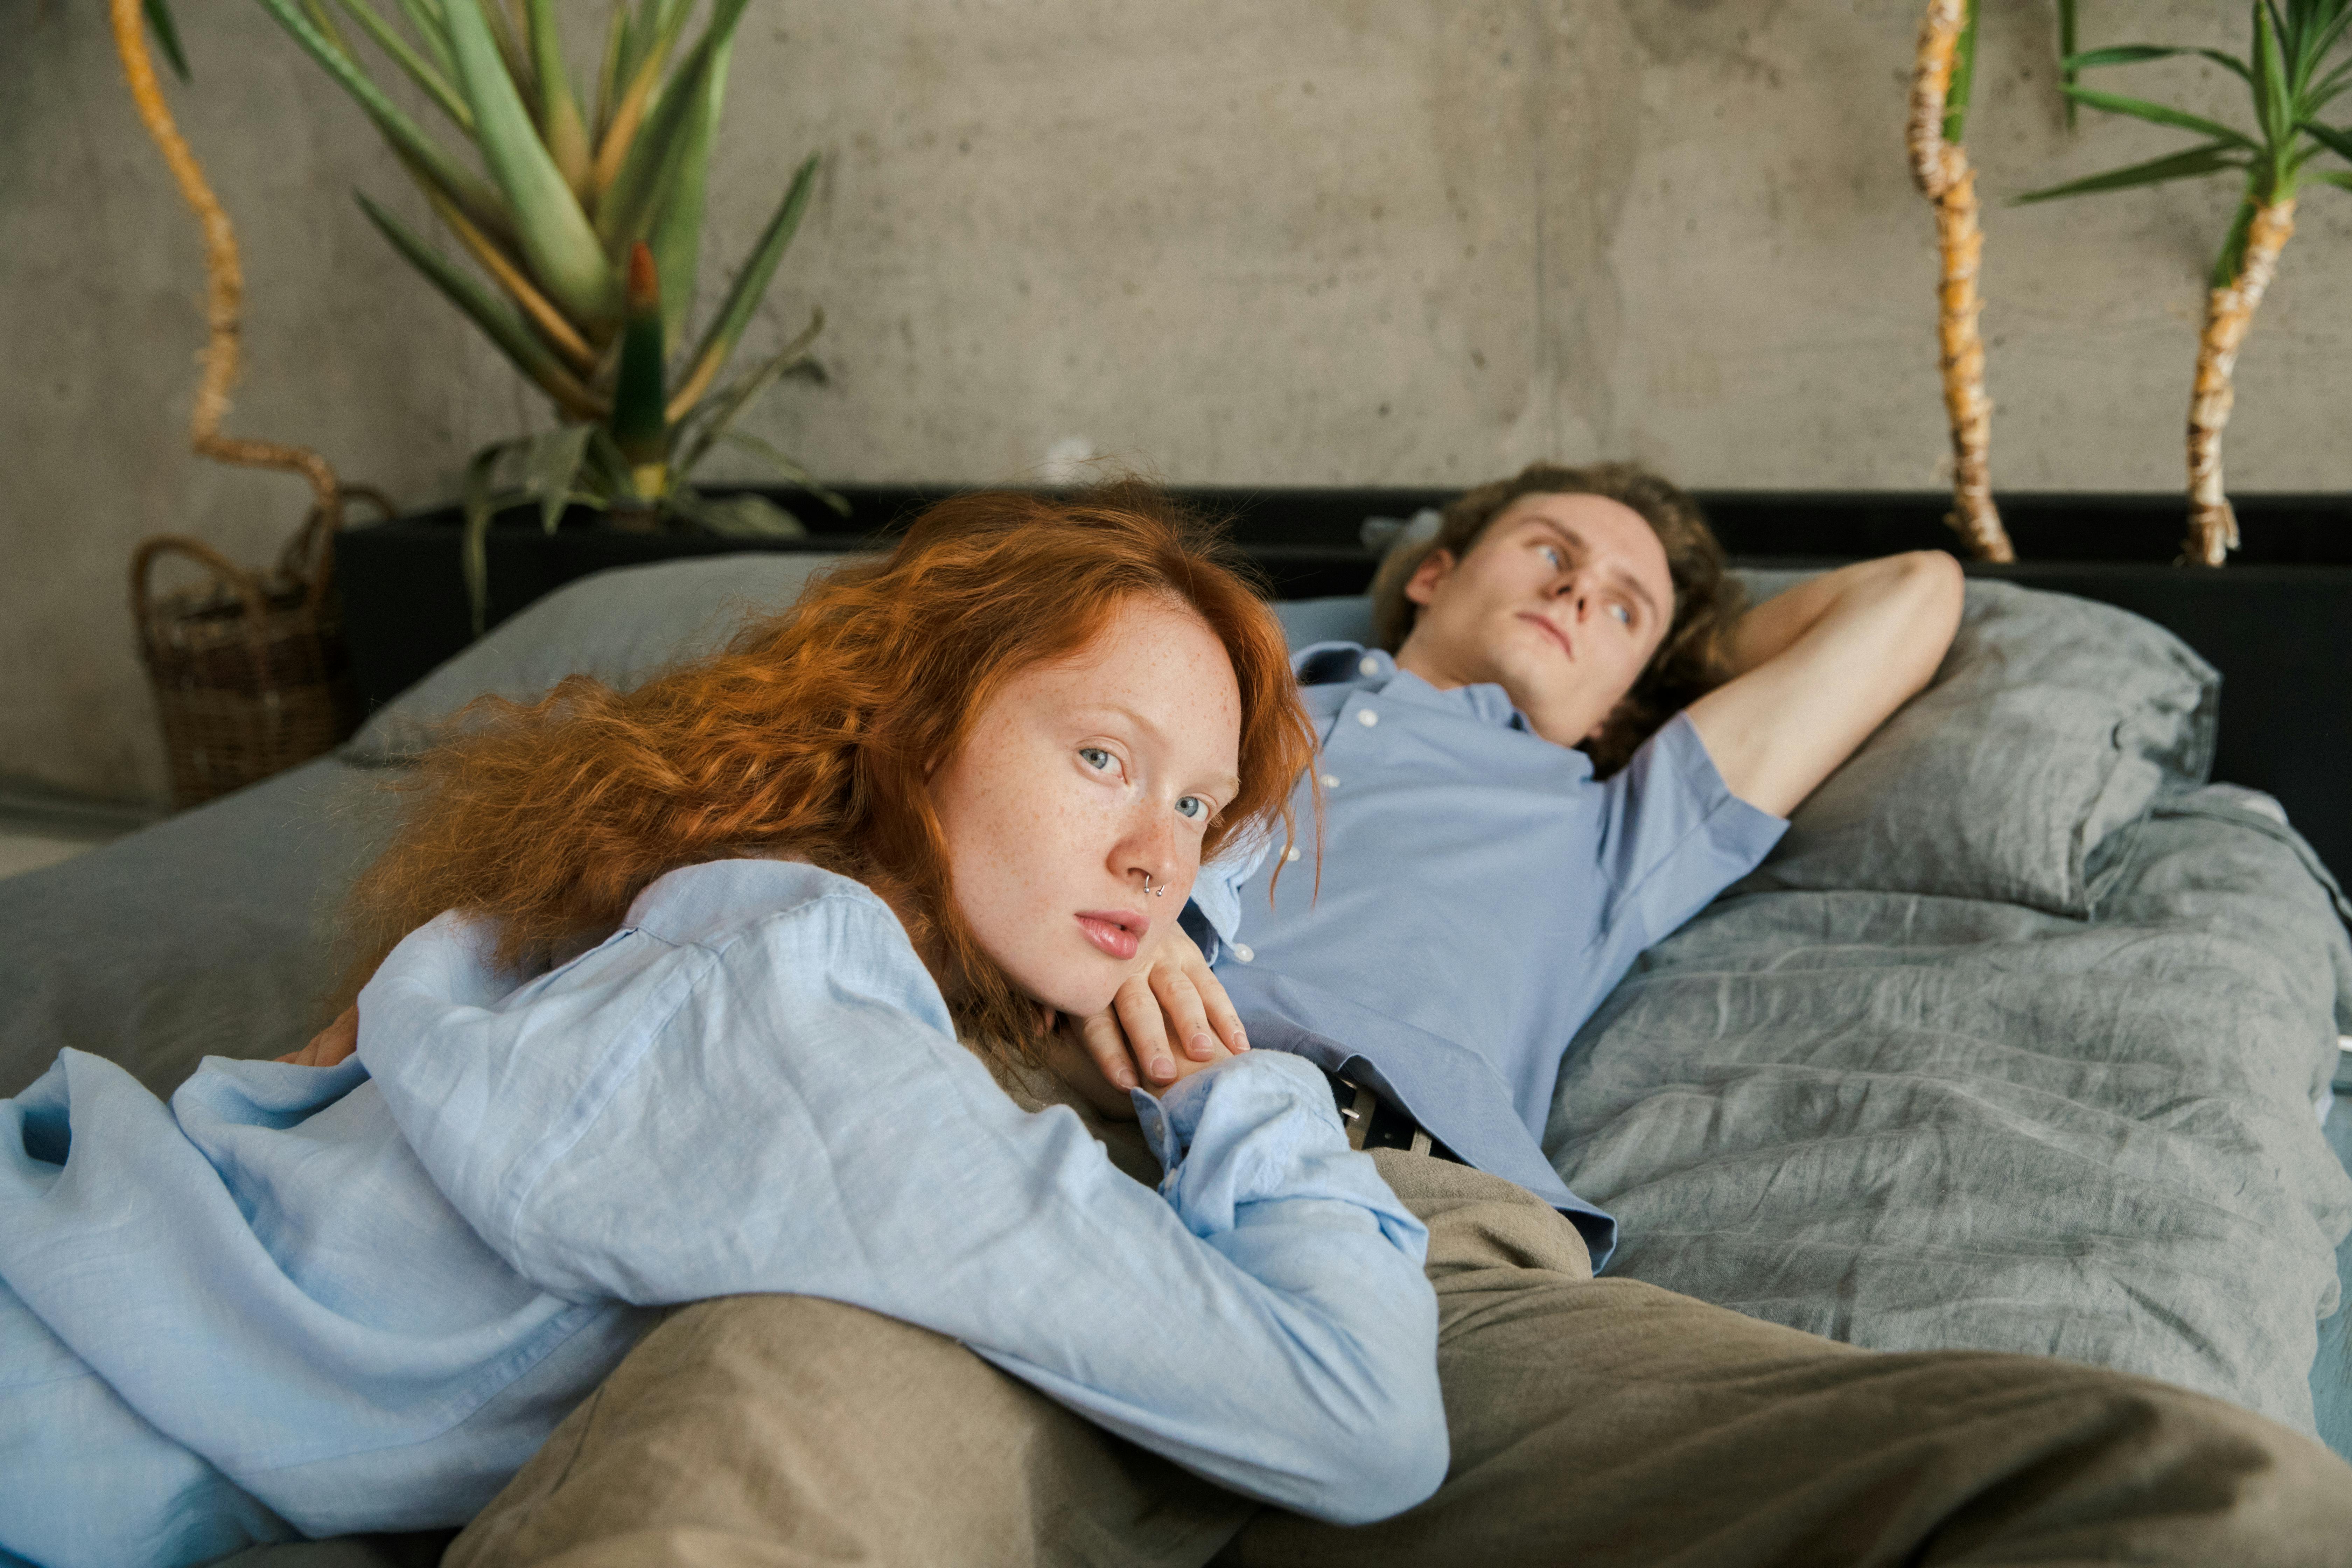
(1479, 893)
(358, 1298)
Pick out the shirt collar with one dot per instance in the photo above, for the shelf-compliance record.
(1374, 670)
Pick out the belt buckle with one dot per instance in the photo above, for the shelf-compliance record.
(1362, 1111)
(1359, 1116)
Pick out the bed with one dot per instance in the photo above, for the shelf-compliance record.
(2024, 1039)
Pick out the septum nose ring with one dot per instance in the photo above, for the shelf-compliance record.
(1159, 892)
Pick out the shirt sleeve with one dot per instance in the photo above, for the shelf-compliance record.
(1672, 836)
(786, 1111)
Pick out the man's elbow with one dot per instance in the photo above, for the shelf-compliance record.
(1933, 589)
(1934, 577)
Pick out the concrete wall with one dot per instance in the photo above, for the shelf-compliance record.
(1241, 241)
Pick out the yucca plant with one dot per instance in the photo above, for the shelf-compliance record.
(2292, 85)
(1940, 77)
(585, 217)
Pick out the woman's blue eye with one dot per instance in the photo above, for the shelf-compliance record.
(1095, 757)
(1624, 617)
(1552, 555)
(1193, 806)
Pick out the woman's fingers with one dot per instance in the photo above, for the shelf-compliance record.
(1085, 1052)
(1105, 1047)
(1220, 1008)
(1187, 1021)
(331, 1044)
(1138, 1008)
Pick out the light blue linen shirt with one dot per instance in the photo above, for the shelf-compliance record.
(1478, 893)
(327, 1301)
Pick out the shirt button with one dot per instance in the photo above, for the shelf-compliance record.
(1244, 953)
(1367, 718)
(1291, 853)
(1330, 781)
(1369, 666)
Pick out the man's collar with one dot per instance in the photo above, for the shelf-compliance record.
(1373, 669)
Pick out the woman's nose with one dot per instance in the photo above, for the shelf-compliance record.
(1150, 852)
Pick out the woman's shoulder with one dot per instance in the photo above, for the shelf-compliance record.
(716, 902)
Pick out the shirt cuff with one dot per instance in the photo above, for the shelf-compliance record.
(1213, 916)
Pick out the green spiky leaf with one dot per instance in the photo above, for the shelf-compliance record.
(2157, 113)
(750, 284)
(498, 320)
(1963, 78)
(624, 213)
(2273, 100)
(2336, 141)
(2070, 43)
(463, 188)
(559, 119)
(553, 233)
(425, 17)
(676, 235)
(708, 419)
(785, 468)
(741, 516)
(2233, 245)
(167, 35)
(551, 470)
(479, 503)
(2210, 159)
(417, 69)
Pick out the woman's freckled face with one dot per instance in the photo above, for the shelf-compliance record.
(1079, 780)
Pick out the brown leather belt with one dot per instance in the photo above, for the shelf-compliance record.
(1374, 1123)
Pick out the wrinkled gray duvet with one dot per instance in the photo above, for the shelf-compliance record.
(2061, 1103)
(1916, 1123)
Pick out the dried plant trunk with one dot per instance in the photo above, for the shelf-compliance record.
(1941, 171)
(2229, 312)
(223, 281)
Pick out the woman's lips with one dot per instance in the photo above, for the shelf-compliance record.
(1115, 931)
(1556, 634)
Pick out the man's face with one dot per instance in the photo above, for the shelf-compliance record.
(1560, 602)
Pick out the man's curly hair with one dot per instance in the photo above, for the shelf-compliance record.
(1691, 659)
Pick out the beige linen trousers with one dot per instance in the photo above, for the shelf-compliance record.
(1594, 1422)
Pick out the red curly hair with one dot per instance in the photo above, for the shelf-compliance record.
(812, 736)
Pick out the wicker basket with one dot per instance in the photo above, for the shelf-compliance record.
(249, 670)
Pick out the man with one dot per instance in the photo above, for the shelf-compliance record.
(1478, 892)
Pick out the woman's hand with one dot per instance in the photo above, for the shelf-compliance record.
(1175, 997)
(331, 1044)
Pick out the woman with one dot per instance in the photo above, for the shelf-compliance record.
(667, 1008)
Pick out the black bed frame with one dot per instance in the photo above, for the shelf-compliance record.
(2277, 622)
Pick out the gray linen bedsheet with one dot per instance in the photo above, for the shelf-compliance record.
(1914, 1122)
(207, 933)
(1904, 1120)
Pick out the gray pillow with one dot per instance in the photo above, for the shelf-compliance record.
(1307, 621)
(2053, 723)
(620, 626)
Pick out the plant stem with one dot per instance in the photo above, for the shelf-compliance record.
(223, 281)
(2229, 312)
(1942, 172)
(1962, 360)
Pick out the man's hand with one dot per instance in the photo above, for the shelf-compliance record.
(331, 1044)
(1175, 997)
